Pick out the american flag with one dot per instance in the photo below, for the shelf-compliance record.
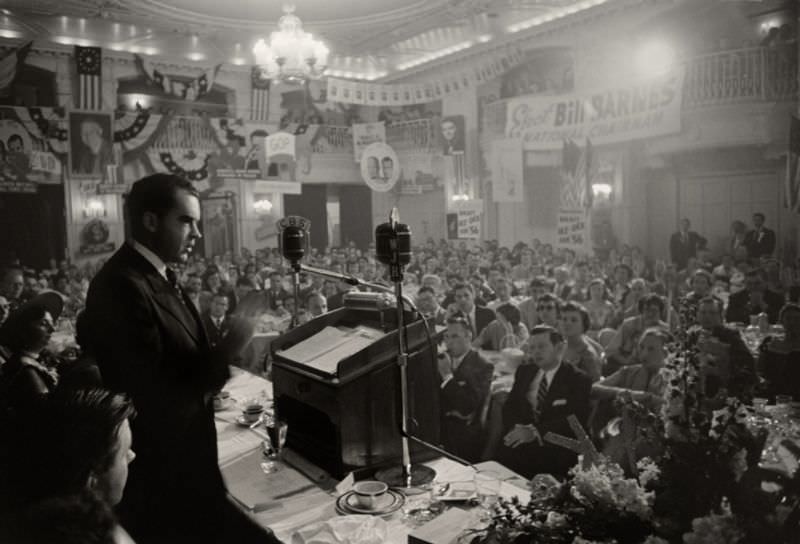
(9, 65)
(259, 109)
(792, 185)
(90, 62)
(576, 187)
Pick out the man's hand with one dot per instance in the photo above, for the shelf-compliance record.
(522, 434)
(445, 366)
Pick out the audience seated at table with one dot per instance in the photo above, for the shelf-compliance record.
(537, 288)
(779, 358)
(63, 467)
(548, 310)
(466, 378)
(754, 299)
(544, 394)
(478, 317)
(620, 350)
(429, 306)
(215, 319)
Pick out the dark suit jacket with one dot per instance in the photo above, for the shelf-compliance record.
(151, 346)
(568, 394)
(739, 309)
(462, 401)
(483, 316)
(680, 251)
(214, 333)
(760, 246)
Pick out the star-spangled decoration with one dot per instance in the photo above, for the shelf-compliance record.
(174, 168)
(134, 129)
(89, 61)
(582, 446)
(51, 130)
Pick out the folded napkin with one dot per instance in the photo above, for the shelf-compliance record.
(343, 530)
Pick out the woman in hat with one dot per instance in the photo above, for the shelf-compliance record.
(26, 333)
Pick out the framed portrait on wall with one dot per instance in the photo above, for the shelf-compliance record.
(90, 144)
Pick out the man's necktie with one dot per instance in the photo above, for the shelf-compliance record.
(541, 393)
(172, 278)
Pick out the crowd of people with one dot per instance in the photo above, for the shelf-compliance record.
(158, 327)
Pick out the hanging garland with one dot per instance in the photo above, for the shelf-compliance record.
(194, 168)
(128, 126)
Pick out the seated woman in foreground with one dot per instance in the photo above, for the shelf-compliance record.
(644, 383)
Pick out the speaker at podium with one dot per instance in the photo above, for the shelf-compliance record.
(336, 382)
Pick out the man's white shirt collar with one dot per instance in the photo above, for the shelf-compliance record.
(151, 257)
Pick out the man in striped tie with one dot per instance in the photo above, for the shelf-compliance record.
(544, 394)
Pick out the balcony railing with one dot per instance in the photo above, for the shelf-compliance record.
(408, 136)
(757, 74)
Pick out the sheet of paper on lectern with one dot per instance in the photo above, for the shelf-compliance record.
(324, 350)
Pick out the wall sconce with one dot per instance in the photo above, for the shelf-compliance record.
(262, 206)
(602, 191)
(460, 197)
(94, 208)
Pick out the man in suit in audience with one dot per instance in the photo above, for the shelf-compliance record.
(477, 316)
(466, 380)
(149, 343)
(754, 299)
(684, 244)
(214, 319)
(544, 394)
(429, 306)
(760, 242)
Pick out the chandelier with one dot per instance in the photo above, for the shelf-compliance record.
(291, 54)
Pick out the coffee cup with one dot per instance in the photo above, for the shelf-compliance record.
(368, 493)
(252, 412)
(220, 399)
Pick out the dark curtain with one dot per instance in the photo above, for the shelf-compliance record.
(311, 204)
(355, 211)
(34, 226)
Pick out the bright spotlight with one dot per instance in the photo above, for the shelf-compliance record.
(655, 59)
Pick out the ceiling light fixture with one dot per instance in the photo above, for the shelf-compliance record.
(291, 54)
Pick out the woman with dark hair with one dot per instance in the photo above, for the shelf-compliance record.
(68, 498)
(506, 331)
(779, 358)
(581, 352)
(601, 309)
(26, 334)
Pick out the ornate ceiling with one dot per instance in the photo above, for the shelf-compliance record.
(367, 38)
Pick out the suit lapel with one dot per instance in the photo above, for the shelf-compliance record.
(556, 388)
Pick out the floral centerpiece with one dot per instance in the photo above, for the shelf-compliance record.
(704, 485)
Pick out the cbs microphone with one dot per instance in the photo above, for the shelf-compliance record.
(293, 240)
(393, 242)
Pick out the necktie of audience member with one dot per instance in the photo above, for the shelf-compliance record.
(541, 393)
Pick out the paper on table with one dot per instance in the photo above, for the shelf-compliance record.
(324, 350)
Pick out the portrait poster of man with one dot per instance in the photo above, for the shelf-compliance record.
(453, 135)
(380, 167)
(90, 144)
(95, 238)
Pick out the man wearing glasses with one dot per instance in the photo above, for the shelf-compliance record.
(466, 379)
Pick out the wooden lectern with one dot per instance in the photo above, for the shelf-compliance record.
(339, 391)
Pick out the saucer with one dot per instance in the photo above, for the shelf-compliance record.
(225, 404)
(390, 502)
(240, 420)
(458, 492)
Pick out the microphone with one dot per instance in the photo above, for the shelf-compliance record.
(393, 241)
(293, 239)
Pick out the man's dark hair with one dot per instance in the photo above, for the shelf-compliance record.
(652, 300)
(15, 138)
(627, 269)
(757, 214)
(553, 333)
(510, 312)
(426, 289)
(157, 194)
(465, 286)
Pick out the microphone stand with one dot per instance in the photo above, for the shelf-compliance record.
(407, 475)
(296, 284)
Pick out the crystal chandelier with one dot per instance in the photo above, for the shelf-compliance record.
(291, 54)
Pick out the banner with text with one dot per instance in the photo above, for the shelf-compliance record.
(642, 109)
(573, 230)
(365, 134)
(464, 221)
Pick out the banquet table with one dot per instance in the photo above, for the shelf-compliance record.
(288, 500)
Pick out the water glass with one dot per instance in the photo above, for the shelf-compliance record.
(273, 445)
(759, 404)
(487, 486)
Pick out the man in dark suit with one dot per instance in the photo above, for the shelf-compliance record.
(215, 320)
(464, 303)
(466, 380)
(754, 299)
(544, 394)
(684, 244)
(760, 242)
(149, 343)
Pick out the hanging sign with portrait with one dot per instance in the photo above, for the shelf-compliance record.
(90, 145)
(24, 161)
(380, 167)
(95, 238)
(366, 134)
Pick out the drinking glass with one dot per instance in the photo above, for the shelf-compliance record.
(759, 404)
(273, 445)
(420, 506)
(487, 487)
